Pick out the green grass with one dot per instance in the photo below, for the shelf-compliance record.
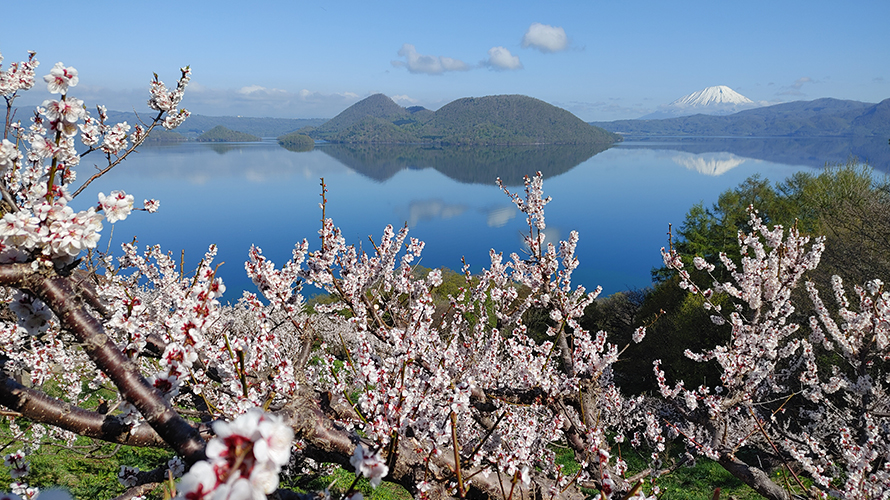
(700, 481)
(93, 475)
(340, 481)
(84, 476)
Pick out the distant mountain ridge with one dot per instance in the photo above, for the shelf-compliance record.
(717, 100)
(196, 124)
(826, 117)
(489, 120)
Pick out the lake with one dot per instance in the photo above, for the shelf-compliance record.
(620, 200)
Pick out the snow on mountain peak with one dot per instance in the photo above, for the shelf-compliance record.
(721, 94)
(718, 100)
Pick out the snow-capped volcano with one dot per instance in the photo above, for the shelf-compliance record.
(718, 100)
(721, 94)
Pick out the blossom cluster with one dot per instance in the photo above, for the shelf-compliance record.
(243, 460)
(421, 372)
(768, 359)
(19, 76)
(42, 225)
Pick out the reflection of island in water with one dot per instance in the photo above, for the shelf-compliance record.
(810, 151)
(469, 164)
(223, 148)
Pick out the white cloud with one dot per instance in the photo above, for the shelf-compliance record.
(431, 65)
(501, 58)
(310, 96)
(249, 100)
(545, 38)
(256, 100)
(258, 91)
(404, 100)
(795, 88)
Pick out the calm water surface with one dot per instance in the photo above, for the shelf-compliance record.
(620, 200)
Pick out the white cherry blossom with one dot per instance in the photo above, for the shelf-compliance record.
(60, 78)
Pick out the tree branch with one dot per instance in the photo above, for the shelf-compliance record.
(39, 407)
(60, 295)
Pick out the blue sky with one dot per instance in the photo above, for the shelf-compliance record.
(602, 60)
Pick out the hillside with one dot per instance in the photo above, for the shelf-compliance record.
(222, 134)
(376, 106)
(160, 134)
(819, 118)
(491, 120)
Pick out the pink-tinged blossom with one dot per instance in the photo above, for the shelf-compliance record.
(41, 148)
(90, 132)
(18, 466)
(69, 110)
(128, 476)
(116, 206)
(24, 491)
(369, 464)
(167, 100)
(33, 315)
(176, 466)
(174, 120)
(60, 78)
(199, 483)
(243, 460)
(19, 76)
(9, 155)
(116, 139)
(151, 206)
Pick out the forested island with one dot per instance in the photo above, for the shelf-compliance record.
(222, 134)
(296, 141)
(490, 120)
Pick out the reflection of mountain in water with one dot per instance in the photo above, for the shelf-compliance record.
(708, 163)
(813, 152)
(475, 164)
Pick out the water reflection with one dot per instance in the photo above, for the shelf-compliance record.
(470, 165)
(709, 163)
(428, 210)
(620, 200)
(223, 148)
(499, 217)
(811, 151)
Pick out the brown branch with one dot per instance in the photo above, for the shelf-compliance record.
(60, 294)
(758, 480)
(327, 441)
(138, 491)
(37, 406)
(119, 159)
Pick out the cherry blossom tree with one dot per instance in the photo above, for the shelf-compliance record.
(816, 401)
(457, 403)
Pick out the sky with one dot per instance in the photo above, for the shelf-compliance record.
(602, 60)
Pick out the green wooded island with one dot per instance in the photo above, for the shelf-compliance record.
(296, 141)
(220, 133)
(490, 120)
